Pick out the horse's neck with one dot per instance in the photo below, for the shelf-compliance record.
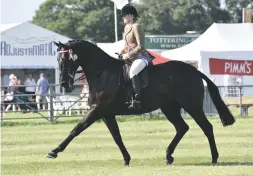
(100, 74)
(99, 62)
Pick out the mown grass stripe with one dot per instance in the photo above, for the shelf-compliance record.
(95, 153)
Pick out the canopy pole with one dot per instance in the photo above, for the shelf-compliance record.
(115, 22)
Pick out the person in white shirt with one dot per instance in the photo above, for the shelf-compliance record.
(30, 86)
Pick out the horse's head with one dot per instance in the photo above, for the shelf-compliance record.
(75, 53)
(68, 63)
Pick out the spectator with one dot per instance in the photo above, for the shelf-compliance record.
(30, 87)
(13, 89)
(2, 98)
(20, 89)
(84, 96)
(2, 102)
(41, 91)
(85, 90)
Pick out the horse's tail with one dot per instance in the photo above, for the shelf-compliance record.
(225, 115)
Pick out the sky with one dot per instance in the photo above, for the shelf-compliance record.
(15, 11)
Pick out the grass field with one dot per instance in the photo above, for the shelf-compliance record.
(94, 152)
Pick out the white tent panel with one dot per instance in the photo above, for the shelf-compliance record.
(112, 48)
(218, 37)
(27, 45)
(29, 63)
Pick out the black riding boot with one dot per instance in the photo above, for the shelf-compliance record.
(137, 89)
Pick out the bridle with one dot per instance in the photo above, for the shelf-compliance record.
(73, 57)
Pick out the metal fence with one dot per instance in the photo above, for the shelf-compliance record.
(239, 99)
(55, 104)
(59, 104)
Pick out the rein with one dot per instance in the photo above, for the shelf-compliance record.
(81, 77)
(74, 58)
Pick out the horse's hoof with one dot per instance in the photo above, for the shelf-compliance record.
(170, 160)
(126, 162)
(214, 161)
(52, 155)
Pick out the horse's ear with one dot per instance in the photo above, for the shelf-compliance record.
(62, 45)
(57, 44)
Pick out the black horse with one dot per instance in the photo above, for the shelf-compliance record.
(171, 86)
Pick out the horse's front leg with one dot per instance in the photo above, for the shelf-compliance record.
(93, 115)
(113, 127)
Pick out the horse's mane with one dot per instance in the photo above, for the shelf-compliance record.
(90, 45)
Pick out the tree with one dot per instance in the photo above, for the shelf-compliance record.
(235, 8)
(177, 17)
(94, 19)
(198, 15)
(79, 19)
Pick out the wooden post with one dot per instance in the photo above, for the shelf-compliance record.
(240, 92)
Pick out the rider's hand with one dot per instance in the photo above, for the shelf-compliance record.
(120, 57)
(125, 56)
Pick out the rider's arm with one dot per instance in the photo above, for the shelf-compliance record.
(140, 39)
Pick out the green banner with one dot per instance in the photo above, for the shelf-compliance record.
(168, 42)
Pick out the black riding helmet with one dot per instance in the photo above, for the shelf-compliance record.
(129, 9)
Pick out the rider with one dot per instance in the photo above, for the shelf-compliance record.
(134, 52)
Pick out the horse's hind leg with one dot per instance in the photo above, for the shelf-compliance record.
(172, 112)
(199, 116)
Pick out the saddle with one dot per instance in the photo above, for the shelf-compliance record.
(127, 83)
(143, 74)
